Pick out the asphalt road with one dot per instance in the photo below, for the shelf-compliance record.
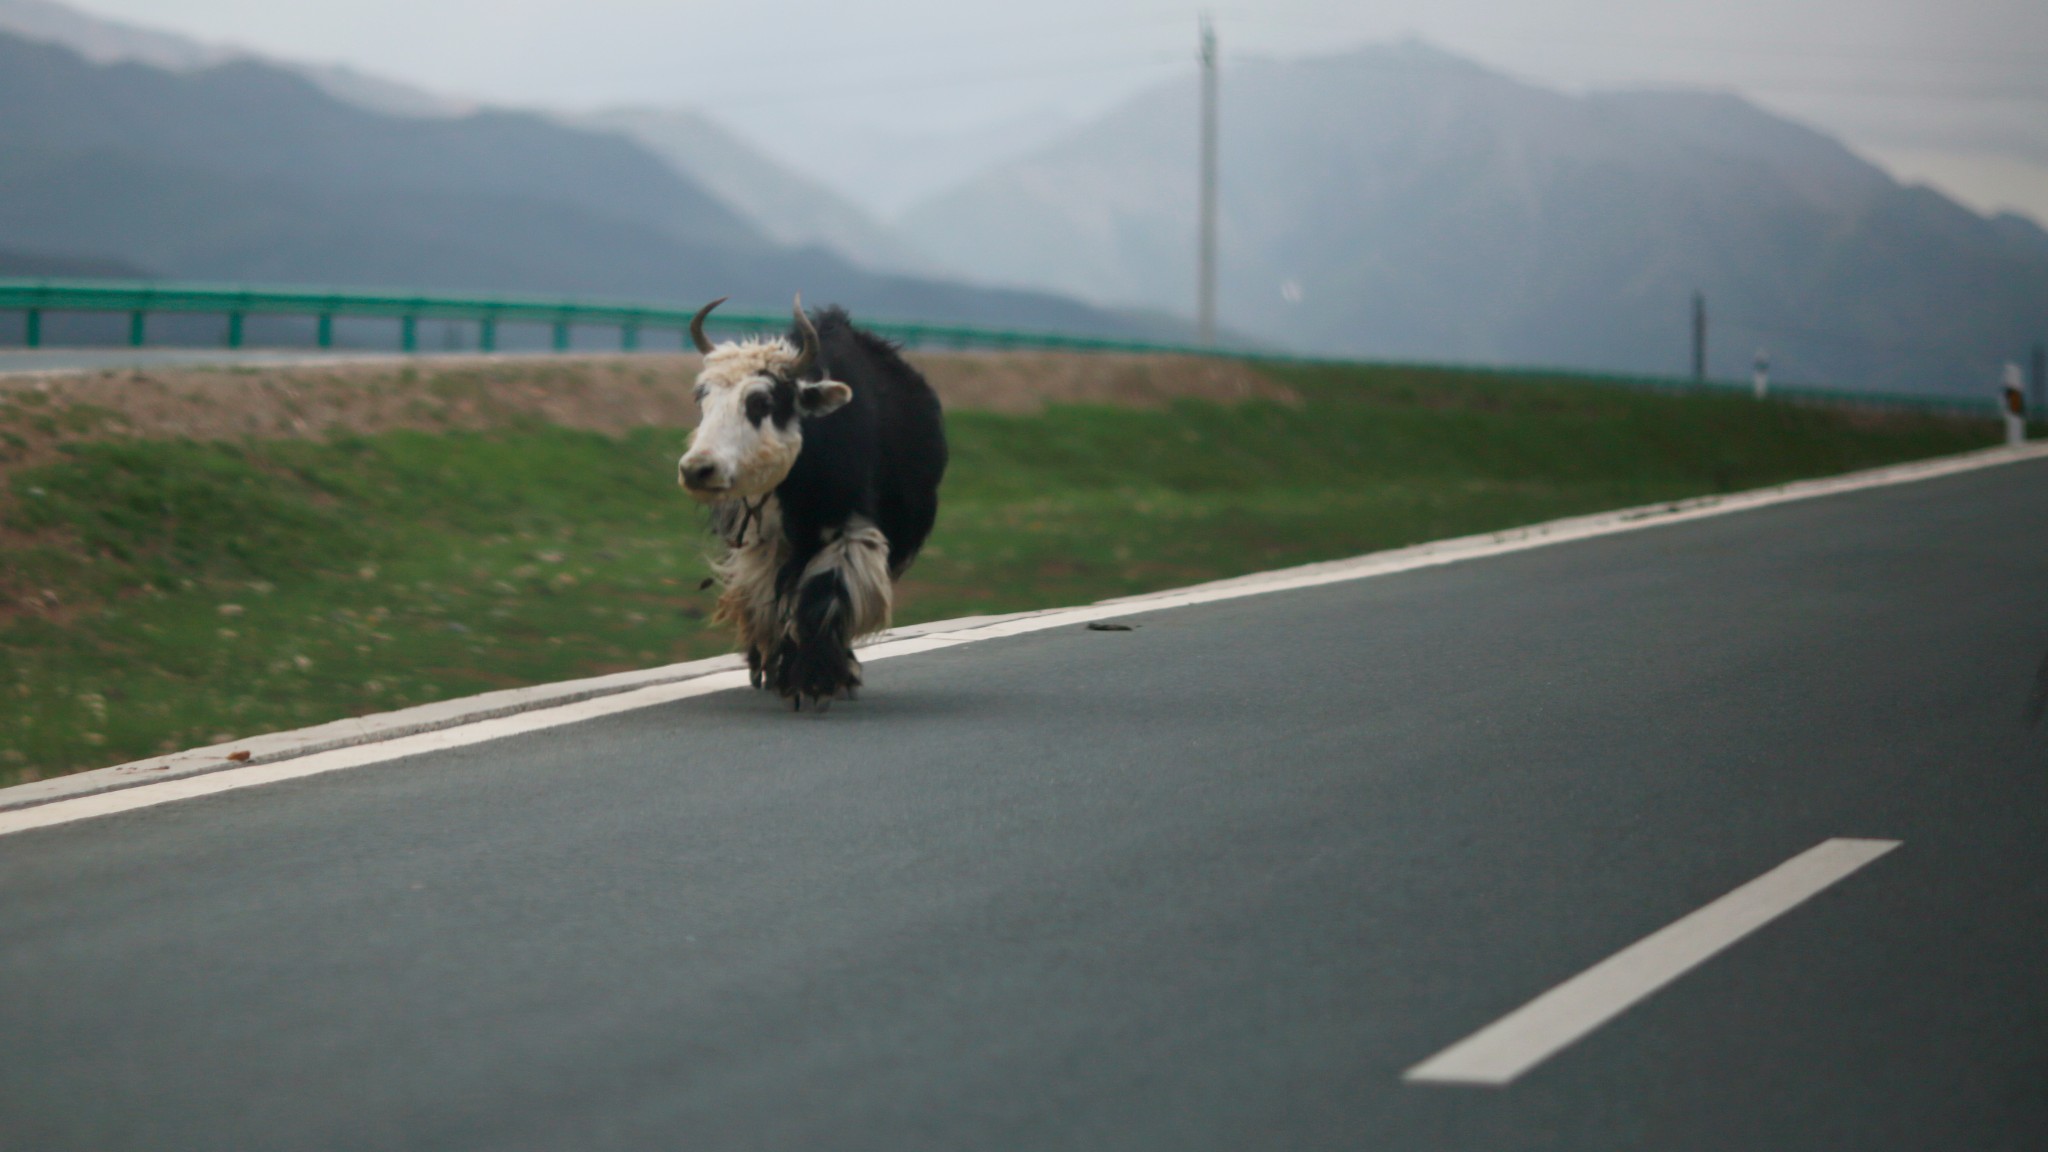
(1213, 883)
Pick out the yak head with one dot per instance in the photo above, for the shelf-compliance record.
(752, 400)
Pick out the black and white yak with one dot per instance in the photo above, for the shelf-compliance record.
(820, 455)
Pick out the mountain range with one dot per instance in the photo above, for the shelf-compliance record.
(243, 170)
(1397, 202)
(104, 41)
(789, 207)
(1390, 202)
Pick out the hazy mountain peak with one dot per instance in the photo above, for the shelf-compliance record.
(104, 41)
(243, 171)
(1407, 52)
(1396, 201)
(791, 207)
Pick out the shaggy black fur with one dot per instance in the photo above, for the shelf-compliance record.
(817, 664)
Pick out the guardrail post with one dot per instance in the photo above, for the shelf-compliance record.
(409, 334)
(487, 334)
(324, 331)
(137, 327)
(561, 335)
(234, 329)
(629, 336)
(34, 336)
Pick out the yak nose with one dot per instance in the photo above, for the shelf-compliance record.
(700, 474)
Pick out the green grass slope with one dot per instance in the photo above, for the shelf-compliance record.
(160, 594)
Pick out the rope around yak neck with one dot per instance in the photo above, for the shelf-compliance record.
(751, 516)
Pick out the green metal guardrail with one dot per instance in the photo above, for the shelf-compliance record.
(140, 299)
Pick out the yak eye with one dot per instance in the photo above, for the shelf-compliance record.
(757, 407)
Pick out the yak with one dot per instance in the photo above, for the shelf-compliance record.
(820, 455)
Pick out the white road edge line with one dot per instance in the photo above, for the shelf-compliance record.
(205, 772)
(1498, 1053)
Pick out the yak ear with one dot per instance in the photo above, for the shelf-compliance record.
(822, 397)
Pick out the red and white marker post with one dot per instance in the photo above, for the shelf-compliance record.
(2014, 406)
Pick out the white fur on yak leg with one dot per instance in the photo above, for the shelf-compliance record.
(860, 554)
(756, 552)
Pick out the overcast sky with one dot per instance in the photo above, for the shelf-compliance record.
(1964, 79)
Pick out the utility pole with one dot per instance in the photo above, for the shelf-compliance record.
(1699, 338)
(1205, 244)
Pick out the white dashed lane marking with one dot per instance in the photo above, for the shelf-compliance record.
(1498, 1053)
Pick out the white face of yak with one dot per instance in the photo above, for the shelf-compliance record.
(750, 424)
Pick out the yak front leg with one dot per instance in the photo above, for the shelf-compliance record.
(841, 595)
(749, 604)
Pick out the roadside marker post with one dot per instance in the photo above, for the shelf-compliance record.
(2014, 406)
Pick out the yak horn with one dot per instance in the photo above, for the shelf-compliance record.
(697, 324)
(808, 354)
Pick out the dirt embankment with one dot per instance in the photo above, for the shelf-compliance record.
(602, 393)
(1028, 381)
